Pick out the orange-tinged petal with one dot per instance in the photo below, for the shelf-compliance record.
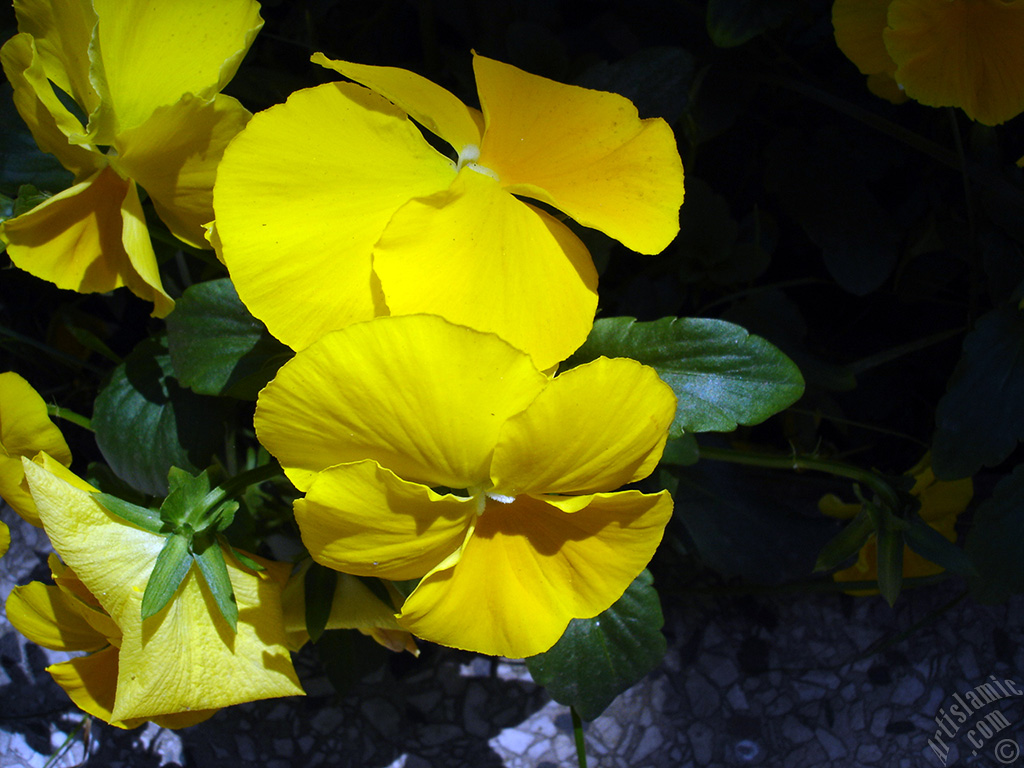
(419, 395)
(62, 30)
(304, 193)
(25, 430)
(594, 428)
(960, 53)
(43, 613)
(363, 519)
(154, 53)
(430, 105)
(585, 152)
(528, 569)
(479, 257)
(174, 154)
(858, 26)
(49, 120)
(91, 237)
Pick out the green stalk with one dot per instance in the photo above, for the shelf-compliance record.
(236, 485)
(577, 729)
(63, 413)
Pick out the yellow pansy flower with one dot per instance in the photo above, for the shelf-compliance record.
(959, 53)
(183, 659)
(377, 422)
(5, 538)
(942, 501)
(25, 430)
(337, 195)
(125, 93)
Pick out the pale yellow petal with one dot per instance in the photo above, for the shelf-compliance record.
(304, 193)
(43, 614)
(585, 152)
(477, 256)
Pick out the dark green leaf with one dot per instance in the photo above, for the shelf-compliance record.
(933, 546)
(28, 198)
(890, 559)
(145, 518)
(656, 79)
(217, 346)
(172, 564)
(319, 584)
(210, 559)
(21, 160)
(846, 543)
(734, 22)
(995, 543)
(722, 375)
(980, 419)
(681, 451)
(597, 659)
(145, 423)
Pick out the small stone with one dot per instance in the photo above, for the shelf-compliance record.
(284, 747)
(736, 698)
(306, 743)
(382, 715)
(327, 720)
(835, 748)
(473, 707)
(702, 742)
(703, 696)
(781, 706)
(849, 692)
(868, 753)
(513, 741)
(650, 741)
(968, 662)
(795, 731)
(879, 721)
(246, 747)
(909, 690)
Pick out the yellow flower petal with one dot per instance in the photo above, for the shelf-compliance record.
(479, 257)
(174, 154)
(528, 569)
(594, 428)
(49, 120)
(419, 395)
(362, 519)
(89, 238)
(885, 87)
(25, 430)
(62, 30)
(430, 105)
(154, 53)
(585, 152)
(5, 539)
(44, 615)
(960, 53)
(858, 26)
(302, 196)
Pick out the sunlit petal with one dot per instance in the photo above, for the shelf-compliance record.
(174, 154)
(528, 569)
(43, 614)
(961, 53)
(363, 519)
(154, 53)
(586, 152)
(430, 105)
(594, 428)
(421, 396)
(302, 196)
(480, 257)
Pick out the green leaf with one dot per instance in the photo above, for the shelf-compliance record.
(210, 559)
(734, 22)
(28, 198)
(933, 546)
(145, 423)
(172, 564)
(145, 518)
(656, 79)
(722, 375)
(597, 659)
(681, 451)
(319, 585)
(995, 543)
(890, 559)
(21, 159)
(847, 542)
(217, 347)
(980, 419)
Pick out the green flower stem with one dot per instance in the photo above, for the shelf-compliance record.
(863, 476)
(577, 728)
(63, 413)
(236, 485)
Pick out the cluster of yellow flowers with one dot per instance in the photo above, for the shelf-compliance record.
(428, 305)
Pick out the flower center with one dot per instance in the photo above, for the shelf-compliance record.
(468, 159)
(480, 495)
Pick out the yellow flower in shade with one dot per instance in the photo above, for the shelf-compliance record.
(25, 430)
(378, 422)
(353, 606)
(337, 195)
(5, 539)
(942, 502)
(185, 658)
(942, 53)
(125, 93)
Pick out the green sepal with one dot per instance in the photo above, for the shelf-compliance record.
(933, 546)
(210, 558)
(184, 501)
(319, 586)
(170, 569)
(846, 543)
(244, 559)
(890, 559)
(143, 517)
